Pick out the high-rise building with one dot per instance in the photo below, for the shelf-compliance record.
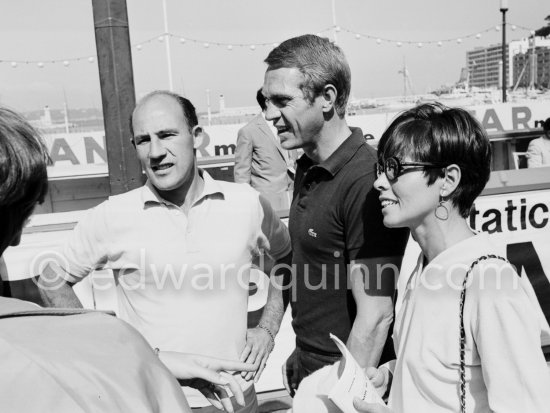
(485, 66)
(485, 63)
(532, 68)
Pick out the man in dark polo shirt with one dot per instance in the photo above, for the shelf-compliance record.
(338, 239)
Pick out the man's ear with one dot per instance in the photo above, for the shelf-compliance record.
(452, 178)
(198, 136)
(329, 97)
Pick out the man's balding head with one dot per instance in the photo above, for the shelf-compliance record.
(188, 110)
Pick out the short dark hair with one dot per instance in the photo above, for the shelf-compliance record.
(320, 62)
(23, 174)
(189, 112)
(435, 133)
(260, 98)
(546, 125)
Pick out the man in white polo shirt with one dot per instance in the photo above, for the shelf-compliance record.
(180, 248)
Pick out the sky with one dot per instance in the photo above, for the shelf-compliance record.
(37, 31)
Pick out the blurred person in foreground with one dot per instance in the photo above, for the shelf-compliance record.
(180, 247)
(345, 260)
(78, 360)
(484, 355)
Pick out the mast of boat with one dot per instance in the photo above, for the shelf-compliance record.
(208, 107)
(65, 111)
(167, 44)
(533, 58)
(406, 80)
(334, 27)
(519, 77)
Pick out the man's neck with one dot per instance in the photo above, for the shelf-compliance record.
(194, 192)
(185, 197)
(333, 134)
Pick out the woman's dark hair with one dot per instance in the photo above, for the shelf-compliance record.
(439, 134)
(23, 174)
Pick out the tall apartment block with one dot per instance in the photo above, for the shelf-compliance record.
(485, 63)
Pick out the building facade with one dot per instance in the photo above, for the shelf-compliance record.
(532, 68)
(485, 66)
(485, 63)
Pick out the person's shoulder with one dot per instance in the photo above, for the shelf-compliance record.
(252, 124)
(360, 168)
(12, 305)
(110, 321)
(239, 197)
(536, 143)
(124, 203)
(238, 190)
(126, 197)
(494, 280)
(366, 153)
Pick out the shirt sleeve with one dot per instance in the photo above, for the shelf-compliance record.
(243, 158)
(534, 154)
(507, 334)
(87, 246)
(366, 235)
(274, 230)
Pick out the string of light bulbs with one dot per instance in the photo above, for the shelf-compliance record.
(252, 46)
(458, 40)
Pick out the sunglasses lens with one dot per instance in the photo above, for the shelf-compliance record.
(391, 168)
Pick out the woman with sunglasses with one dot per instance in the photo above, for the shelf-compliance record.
(468, 330)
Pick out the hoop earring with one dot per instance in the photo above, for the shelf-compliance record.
(442, 212)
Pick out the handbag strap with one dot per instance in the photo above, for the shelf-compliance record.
(462, 330)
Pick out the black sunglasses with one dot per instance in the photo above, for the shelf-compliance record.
(394, 168)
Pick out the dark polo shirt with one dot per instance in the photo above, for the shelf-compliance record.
(335, 217)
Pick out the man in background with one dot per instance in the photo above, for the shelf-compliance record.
(261, 161)
(538, 152)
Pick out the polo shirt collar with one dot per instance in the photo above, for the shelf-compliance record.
(341, 155)
(211, 188)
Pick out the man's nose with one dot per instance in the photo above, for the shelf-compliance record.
(156, 148)
(271, 111)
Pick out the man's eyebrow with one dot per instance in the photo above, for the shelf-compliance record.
(166, 131)
(141, 136)
(161, 132)
(280, 96)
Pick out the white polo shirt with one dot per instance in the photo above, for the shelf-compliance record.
(182, 280)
